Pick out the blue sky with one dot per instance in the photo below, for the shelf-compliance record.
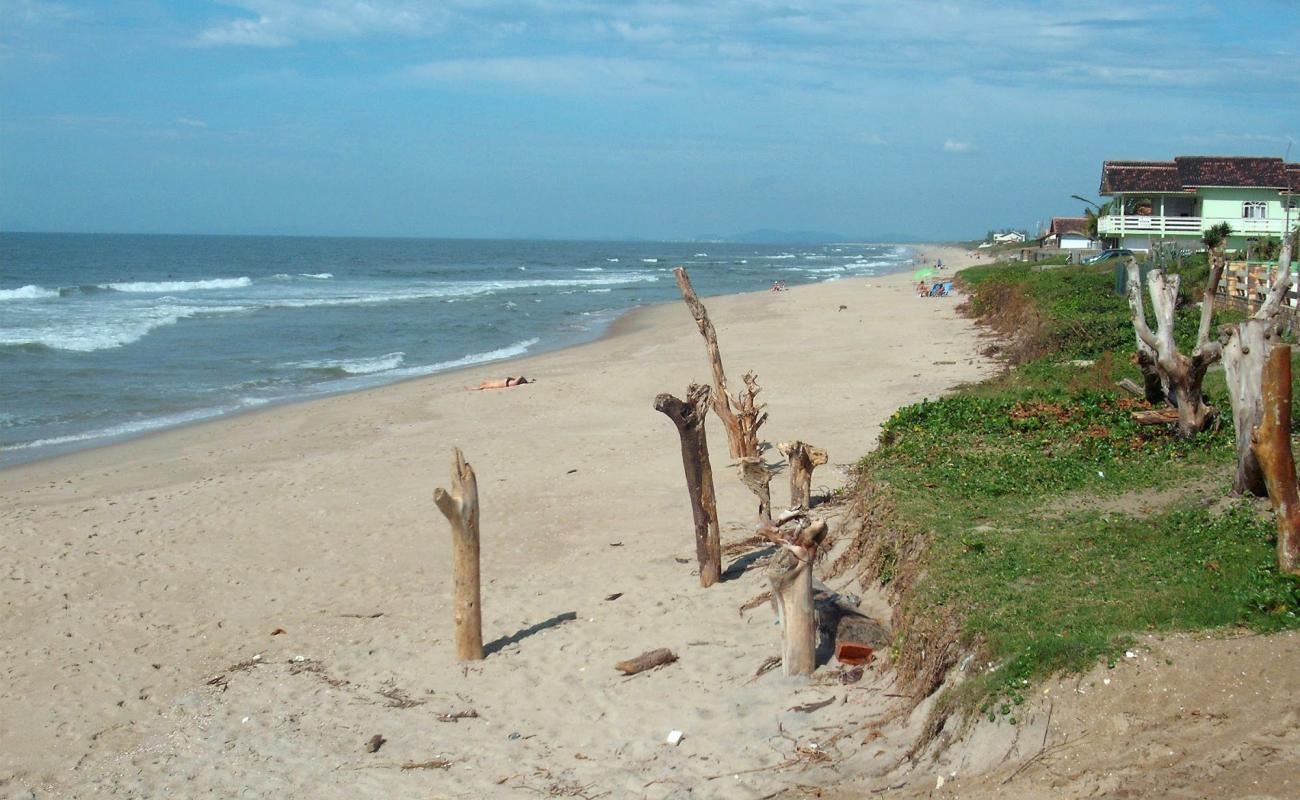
(652, 119)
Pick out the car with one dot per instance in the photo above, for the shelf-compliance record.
(1107, 255)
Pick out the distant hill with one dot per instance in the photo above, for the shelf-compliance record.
(772, 236)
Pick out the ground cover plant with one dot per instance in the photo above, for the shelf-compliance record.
(1029, 520)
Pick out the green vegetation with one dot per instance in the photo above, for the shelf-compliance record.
(1045, 528)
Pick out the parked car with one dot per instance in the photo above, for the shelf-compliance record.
(1107, 255)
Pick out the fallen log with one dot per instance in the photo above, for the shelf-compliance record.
(647, 660)
(1158, 416)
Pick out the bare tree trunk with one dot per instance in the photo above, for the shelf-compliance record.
(756, 475)
(1181, 375)
(1272, 442)
(741, 417)
(1245, 351)
(689, 416)
(1246, 348)
(460, 507)
(790, 575)
(803, 458)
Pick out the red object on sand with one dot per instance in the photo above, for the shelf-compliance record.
(854, 653)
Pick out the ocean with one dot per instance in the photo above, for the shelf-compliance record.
(108, 336)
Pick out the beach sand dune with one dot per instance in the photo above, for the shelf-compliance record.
(237, 608)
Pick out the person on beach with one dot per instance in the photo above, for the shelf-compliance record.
(499, 383)
(922, 289)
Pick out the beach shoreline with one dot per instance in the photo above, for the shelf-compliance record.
(244, 602)
(625, 321)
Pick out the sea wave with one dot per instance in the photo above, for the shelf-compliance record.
(134, 427)
(320, 276)
(509, 351)
(358, 366)
(28, 292)
(590, 269)
(92, 332)
(168, 287)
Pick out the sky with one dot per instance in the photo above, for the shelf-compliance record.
(661, 119)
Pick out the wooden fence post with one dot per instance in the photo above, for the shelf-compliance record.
(688, 416)
(460, 507)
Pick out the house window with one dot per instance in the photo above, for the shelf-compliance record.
(1254, 209)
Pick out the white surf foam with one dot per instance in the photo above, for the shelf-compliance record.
(358, 366)
(509, 351)
(28, 292)
(168, 287)
(319, 276)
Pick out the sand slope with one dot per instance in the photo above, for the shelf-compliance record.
(144, 583)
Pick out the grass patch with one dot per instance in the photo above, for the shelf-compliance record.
(1007, 530)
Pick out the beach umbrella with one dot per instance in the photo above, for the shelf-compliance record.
(922, 274)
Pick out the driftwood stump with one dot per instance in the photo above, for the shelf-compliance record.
(790, 575)
(460, 507)
(803, 458)
(1180, 375)
(1246, 348)
(756, 475)
(741, 417)
(1272, 445)
(688, 416)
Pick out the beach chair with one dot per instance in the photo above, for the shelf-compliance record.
(936, 290)
(947, 288)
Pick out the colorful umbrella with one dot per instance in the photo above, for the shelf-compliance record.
(922, 274)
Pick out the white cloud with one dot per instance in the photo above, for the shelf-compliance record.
(279, 23)
(554, 72)
(954, 146)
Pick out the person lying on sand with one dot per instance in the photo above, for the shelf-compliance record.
(499, 383)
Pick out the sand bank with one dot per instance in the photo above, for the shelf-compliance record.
(239, 606)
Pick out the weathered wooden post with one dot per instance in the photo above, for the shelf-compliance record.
(1272, 445)
(755, 475)
(744, 419)
(803, 458)
(790, 575)
(688, 416)
(1246, 348)
(460, 507)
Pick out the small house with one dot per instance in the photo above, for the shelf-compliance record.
(1176, 201)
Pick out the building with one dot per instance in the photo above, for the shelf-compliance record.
(1177, 201)
(1069, 233)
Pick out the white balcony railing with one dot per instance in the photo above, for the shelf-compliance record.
(1152, 225)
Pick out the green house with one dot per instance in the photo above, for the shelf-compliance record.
(1155, 202)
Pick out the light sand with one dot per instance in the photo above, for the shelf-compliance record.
(137, 576)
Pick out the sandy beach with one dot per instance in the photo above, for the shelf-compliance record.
(236, 608)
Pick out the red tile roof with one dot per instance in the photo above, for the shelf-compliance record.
(1062, 225)
(1185, 173)
(1139, 176)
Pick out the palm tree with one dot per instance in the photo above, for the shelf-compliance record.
(1094, 216)
(1216, 237)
